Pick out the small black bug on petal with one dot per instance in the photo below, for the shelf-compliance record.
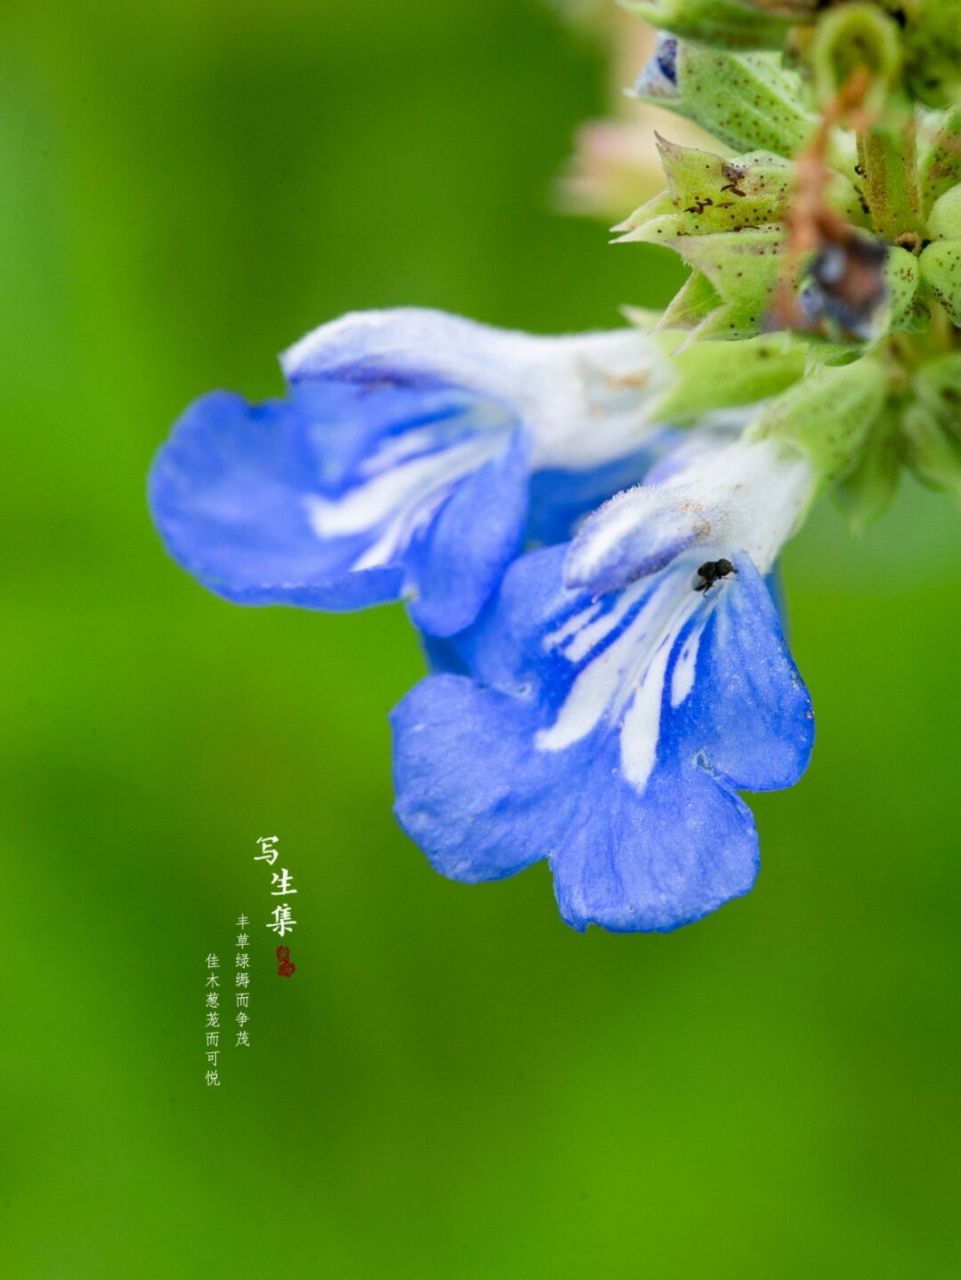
(712, 571)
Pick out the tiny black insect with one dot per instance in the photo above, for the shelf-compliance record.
(712, 571)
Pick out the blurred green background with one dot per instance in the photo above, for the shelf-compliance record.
(453, 1084)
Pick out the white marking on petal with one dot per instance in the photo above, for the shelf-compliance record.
(682, 679)
(590, 636)
(590, 695)
(398, 500)
(392, 452)
(571, 626)
(641, 726)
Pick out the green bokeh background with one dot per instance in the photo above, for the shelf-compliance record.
(453, 1085)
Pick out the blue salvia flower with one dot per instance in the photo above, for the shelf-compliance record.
(413, 456)
(609, 667)
(621, 690)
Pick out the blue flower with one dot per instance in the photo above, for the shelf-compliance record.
(414, 454)
(620, 691)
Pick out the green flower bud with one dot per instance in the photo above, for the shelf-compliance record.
(939, 165)
(941, 273)
(932, 39)
(903, 308)
(944, 220)
(731, 24)
(749, 101)
(829, 414)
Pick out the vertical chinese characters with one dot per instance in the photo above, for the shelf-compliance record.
(282, 886)
(212, 1007)
(242, 983)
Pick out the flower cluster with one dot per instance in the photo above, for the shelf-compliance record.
(584, 530)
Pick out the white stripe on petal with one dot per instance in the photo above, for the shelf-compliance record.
(641, 726)
(573, 624)
(590, 636)
(398, 499)
(682, 680)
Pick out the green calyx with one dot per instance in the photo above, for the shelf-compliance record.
(904, 308)
(941, 273)
(705, 378)
(828, 415)
(845, 225)
(939, 154)
(919, 427)
(866, 490)
(748, 101)
(722, 217)
(932, 50)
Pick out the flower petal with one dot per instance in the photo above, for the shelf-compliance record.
(228, 492)
(750, 714)
(337, 498)
(656, 862)
(632, 535)
(459, 559)
(560, 500)
(458, 753)
(483, 805)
